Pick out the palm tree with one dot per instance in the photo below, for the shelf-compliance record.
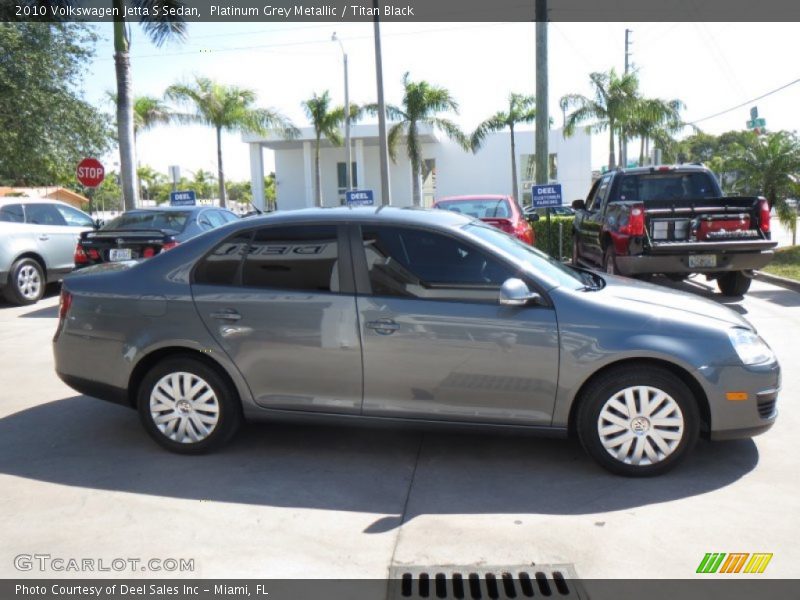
(148, 111)
(160, 27)
(227, 108)
(653, 119)
(326, 121)
(609, 109)
(521, 109)
(421, 104)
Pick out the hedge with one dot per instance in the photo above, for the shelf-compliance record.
(540, 231)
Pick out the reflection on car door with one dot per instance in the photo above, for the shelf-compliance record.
(55, 239)
(437, 345)
(282, 306)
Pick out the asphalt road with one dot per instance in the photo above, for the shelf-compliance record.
(79, 478)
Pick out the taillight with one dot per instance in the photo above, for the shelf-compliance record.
(763, 211)
(80, 256)
(524, 232)
(64, 304)
(149, 252)
(94, 254)
(168, 245)
(635, 225)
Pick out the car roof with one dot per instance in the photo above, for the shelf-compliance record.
(475, 197)
(365, 214)
(694, 167)
(5, 200)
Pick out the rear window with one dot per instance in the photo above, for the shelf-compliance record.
(165, 220)
(488, 208)
(666, 186)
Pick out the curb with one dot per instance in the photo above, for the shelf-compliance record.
(789, 284)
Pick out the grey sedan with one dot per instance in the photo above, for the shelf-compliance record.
(405, 315)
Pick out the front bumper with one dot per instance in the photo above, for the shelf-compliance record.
(679, 263)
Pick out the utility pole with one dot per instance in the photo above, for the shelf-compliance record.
(542, 114)
(383, 150)
(623, 151)
(348, 150)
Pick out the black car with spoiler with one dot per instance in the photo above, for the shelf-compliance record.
(145, 232)
(672, 220)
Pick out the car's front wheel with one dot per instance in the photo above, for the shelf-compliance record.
(187, 406)
(638, 421)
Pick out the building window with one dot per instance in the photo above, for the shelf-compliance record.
(341, 179)
(428, 182)
(527, 174)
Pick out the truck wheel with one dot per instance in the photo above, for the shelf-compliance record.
(638, 420)
(25, 283)
(734, 283)
(610, 261)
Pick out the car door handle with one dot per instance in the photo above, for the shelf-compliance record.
(44, 238)
(383, 326)
(226, 315)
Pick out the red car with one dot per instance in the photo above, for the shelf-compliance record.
(502, 212)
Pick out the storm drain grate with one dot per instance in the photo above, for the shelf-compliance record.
(485, 583)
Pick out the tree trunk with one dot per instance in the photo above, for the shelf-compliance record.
(127, 149)
(612, 163)
(622, 160)
(416, 176)
(223, 199)
(514, 185)
(317, 175)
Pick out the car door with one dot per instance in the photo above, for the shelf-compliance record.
(280, 301)
(591, 226)
(437, 344)
(56, 239)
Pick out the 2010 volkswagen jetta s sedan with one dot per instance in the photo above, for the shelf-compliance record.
(406, 315)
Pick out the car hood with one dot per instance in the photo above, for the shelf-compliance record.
(658, 300)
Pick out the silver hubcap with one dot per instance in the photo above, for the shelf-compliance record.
(640, 425)
(29, 282)
(184, 407)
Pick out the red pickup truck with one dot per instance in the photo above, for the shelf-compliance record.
(672, 220)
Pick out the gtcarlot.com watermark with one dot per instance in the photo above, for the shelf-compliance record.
(46, 563)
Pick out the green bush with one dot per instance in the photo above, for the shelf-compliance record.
(551, 248)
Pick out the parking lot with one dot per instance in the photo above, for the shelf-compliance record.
(81, 479)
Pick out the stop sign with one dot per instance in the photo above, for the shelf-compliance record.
(90, 172)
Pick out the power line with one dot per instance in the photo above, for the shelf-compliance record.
(727, 110)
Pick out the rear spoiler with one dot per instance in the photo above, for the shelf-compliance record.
(126, 233)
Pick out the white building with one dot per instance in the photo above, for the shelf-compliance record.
(449, 170)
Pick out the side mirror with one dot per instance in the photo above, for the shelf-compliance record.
(514, 292)
(578, 205)
(533, 217)
(98, 223)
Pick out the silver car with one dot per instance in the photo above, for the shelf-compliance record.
(37, 245)
(405, 315)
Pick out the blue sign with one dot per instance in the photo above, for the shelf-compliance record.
(187, 198)
(359, 198)
(546, 195)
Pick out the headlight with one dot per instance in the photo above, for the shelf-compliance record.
(750, 347)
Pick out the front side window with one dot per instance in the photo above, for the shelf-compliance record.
(293, 258)
(74, 217)
(12, 213)
(43, 214)
(417, 263)
(600, 195)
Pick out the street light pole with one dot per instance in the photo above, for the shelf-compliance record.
(383, 150)
(348, 150)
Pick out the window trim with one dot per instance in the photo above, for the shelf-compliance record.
(363, 285)
(346, 281)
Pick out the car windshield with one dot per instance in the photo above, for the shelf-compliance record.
(164, 220)
(480, 208)
(666, 186)
(538, 260)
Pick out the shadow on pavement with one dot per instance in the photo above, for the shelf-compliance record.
(780, 297)
(50, 312)
(86, 443)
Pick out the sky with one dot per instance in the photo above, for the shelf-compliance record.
(709, 66)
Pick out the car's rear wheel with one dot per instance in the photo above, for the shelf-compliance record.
(187, 406)
(734, 283)
(638, 421)
(26, 282)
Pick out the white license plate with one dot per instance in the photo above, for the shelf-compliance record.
(117, 254)
(703, 260)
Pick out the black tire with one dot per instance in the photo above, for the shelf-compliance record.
(603, 390)
(227, 402)
(575, 262)
(26, 282)
(734, 283)
(610, 261)
(676, 277)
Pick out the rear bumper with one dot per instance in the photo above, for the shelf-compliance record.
(679, 263)
(96, 389)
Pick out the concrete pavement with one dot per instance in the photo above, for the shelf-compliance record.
(80, 478)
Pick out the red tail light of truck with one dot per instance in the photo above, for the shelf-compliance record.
(635, 224)
(763, 212)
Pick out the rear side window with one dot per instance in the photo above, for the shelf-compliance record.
(215, 218)
(43, 214)
(222, 266)
(74, 217)
(293, 258)
(12, 213)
